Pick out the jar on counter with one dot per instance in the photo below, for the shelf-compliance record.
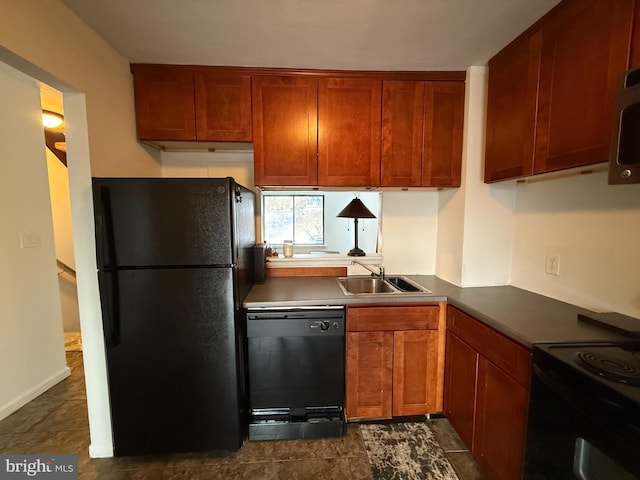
(287, 248)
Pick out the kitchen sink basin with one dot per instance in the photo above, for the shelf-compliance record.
(373, 285)
(405, 285)
(359, 285)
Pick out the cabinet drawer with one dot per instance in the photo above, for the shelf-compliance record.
(392, 317)
(506, 354)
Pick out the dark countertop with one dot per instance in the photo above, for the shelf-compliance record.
(524, 316)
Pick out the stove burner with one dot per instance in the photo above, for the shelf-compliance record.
(610, 368)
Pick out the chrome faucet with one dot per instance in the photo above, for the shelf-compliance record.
(379, 273)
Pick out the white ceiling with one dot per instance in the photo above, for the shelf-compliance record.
(323, 34)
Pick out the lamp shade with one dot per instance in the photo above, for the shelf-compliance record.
(51, 119)
(356, 209)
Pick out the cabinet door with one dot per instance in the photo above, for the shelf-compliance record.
(511, 110)
(500, 423)
(634, 55)
(369, 374)
(402, 117)
(460, 387)
(285, 130)
(443, 123)
(415, 379)
(223, 107)
(349, 116)
(584, 51)
(164, 103)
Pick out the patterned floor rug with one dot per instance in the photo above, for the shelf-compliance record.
(405, 451)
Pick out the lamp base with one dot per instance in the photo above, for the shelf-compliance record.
(356, 252)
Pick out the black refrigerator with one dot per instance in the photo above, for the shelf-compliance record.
(174, 265)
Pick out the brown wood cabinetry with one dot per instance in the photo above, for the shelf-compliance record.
(511, 109)
(310, 131)
(312, 128)
(551, 91)
(394, 360)
(349, 131)
(500, 422)
(285, 127)
(223, 107)
(486, 393)
(422, 133)
(164, 98)
(191, 104)
(369, 374)
(585, 49)
(634, 54)
(460, 387)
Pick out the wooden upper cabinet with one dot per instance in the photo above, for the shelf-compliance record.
(285, 130)
(511, 109)
(349, 119)
(585, 49)
(443, 124)
(422, 125)
(402, 130)
(164, 101)
(223, 107)
(179, 103)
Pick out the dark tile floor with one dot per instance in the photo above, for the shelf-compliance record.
(56, 422)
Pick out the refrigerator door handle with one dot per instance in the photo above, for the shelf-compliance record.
(104, 229)
(108, 281)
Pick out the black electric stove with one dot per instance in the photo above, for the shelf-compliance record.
(584, 412)
(608, 366)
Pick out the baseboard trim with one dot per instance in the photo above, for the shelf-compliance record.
(33, 392)
(100, 451)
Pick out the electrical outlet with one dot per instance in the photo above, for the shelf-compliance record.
(552, 265)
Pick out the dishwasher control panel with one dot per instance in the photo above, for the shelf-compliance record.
(324, 325)
(295, 322)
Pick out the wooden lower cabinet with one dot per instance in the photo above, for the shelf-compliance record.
(369, 374)
(460, 387)
(394, 360)
(415, 379)
(486, 394)
(500, 423)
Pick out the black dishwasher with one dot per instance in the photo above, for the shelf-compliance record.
(296, 372)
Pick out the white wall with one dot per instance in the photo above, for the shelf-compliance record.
(476, 221)
(410, 231)
(63, 236)
(488, 212)
(31, 345)
(594, 227)
(209, 165)
(50, 36)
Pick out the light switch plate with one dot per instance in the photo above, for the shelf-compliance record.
(30, 240)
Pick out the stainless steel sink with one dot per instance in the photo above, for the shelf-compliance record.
(372, 285)
(405, 285)
(359, 285)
